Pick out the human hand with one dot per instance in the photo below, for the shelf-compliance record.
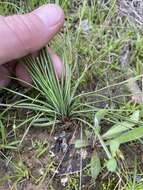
(21, 35)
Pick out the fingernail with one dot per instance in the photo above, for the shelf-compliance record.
(51, 15)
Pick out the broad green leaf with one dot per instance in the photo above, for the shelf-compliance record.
(114, 147)
(111, 165)
(135, 116)
(95, 166)
(139, 186)
(122, 126)
(118, 128)
(97, 118)
(81, 143)
(131, 135)
(99, 115)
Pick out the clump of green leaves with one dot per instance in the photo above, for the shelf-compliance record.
(125, 131)
(56, 99)
(120, 133)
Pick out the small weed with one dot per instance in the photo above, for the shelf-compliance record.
(41, 148)
(22, 172)
(5, 139)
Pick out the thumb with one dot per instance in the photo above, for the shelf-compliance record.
(24, 34)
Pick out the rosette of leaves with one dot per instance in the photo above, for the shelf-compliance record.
(56, 99)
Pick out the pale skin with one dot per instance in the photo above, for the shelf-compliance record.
(21, 35)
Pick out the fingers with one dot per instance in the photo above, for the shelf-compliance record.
(21, 72)
(23, 75)
(11, 66)
(58, 64)
(24, 34)
(4, 76)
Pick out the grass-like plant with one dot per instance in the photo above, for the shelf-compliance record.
(5, 141)
(56, 100)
